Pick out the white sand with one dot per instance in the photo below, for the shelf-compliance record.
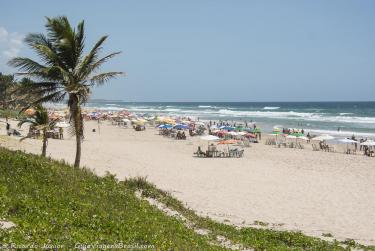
(315, 192)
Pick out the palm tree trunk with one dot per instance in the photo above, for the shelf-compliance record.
(44, 147)
(78, 150)
(78, 126)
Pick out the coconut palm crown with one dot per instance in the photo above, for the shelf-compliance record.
(63, 72)
(40, 121)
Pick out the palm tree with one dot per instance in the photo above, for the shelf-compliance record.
(40, 121)
(64, 71)
(6, 85)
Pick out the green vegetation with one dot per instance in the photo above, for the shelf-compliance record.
(63, 71)
(40, 121)
(52, 202)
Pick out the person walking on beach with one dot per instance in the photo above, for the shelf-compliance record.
(61, 133)
(8, 129)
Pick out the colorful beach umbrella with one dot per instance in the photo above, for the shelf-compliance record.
(228, 142)
(298, 134)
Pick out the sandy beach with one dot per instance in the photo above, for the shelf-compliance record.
(290, 189)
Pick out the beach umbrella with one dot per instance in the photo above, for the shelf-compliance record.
(209, 138)
(166, 126)
(323, 137)
(275, 133)
(233, 133)
(181, 126)
(242, 133)
(297, 134)
(240, 128)
(368, 143)
(227, 128)
(347, 142)
(228, 142)
(250, 135)
(62, 124)
(256, 130)
(290, 136)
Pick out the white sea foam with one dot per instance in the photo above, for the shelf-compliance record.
(345, 113)
(271, 107)
(322, 117)
(172, 110)
(205, 106)
(341, 133)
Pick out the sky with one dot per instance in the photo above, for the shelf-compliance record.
(216, 50)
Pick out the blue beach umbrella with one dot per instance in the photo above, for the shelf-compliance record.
(165, 126)
(181, 126)
(227, 128)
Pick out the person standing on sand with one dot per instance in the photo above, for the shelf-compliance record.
(8, 129)
(61, 133)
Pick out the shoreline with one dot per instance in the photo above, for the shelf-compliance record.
(366, 129)
(290, 189)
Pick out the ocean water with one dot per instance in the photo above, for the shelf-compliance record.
(339, 118)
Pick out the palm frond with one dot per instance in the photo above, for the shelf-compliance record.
(83, 68)
(100, 79)
(26, 64)
(27, 120)
(95, 66)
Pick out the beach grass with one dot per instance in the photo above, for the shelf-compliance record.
(50, 202)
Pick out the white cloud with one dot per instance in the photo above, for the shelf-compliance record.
(10, 46)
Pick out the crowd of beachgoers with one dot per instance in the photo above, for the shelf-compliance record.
(231, 133)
